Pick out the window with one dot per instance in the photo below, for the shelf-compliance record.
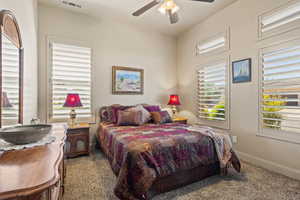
(70, 73)
(214, 44)
(280, 86)
(280, 20)
(211, 45)
(213, 92)
(10, 82)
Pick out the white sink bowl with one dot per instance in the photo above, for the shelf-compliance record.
(25, 134)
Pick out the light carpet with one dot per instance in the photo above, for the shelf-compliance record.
(90, 178)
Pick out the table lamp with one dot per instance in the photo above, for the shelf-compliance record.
(72, 101)
(174, 101)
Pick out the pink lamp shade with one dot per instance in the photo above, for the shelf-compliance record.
(73, 100)
(5, 101)
(174, 100)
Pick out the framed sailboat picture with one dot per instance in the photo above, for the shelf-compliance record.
(241, 71)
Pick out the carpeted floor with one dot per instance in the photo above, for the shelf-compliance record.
(90, 178)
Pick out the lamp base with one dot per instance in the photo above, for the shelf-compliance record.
(72, 121)
(174, 110)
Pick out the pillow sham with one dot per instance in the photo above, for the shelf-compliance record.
(161, 117)
(129, 118)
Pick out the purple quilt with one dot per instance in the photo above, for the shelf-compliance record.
(139, 155)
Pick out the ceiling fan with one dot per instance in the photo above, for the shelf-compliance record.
(167, 7)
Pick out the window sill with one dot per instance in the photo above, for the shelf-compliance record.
(274, 136)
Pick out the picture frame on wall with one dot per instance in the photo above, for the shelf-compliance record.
(127, 81)
(241, 71)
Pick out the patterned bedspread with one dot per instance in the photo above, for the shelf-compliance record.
(139, 155)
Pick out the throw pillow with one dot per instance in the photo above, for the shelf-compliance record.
(146, 116)
(161, 117)
(152, 108)
(129, 118)
(115, 110)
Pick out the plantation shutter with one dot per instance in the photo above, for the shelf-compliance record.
(71, 73)
(280, 108)
(10, 82)
(280, 20)
(212, 92)
(211, 45)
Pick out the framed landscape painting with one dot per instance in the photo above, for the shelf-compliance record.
(241, 71)
(126, 80)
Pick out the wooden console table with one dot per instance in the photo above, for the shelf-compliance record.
(36, 173)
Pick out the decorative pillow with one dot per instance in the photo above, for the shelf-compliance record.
(169, 110)
(146, 116)
(161, 117)
(106, 114)
(152, 108)
(127, 118)
(116, 109)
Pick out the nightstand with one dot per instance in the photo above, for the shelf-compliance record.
(180, 120)
(78, 140)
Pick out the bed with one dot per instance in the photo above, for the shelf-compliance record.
(155, 158)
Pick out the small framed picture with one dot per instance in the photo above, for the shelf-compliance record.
(241, 71)
(127, 80)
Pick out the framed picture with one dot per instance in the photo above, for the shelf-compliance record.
(241, 71)
(126, 80)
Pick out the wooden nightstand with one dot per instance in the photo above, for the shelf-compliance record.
(78, 140)
(181, 120)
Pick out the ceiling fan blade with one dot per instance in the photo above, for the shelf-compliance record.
(174, 18)
(208, 1)
(146, 7)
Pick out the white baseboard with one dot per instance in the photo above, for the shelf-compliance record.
(275, 167)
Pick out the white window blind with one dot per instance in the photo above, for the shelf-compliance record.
(10, 82)
(211, 45)
(212, 86)
(71, 73)
(280, 20)
(280, 101)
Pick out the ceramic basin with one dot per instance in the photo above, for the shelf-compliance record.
(25, 134)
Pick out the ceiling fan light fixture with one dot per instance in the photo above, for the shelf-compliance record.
(168, 5)
(175, 9)
(162, 10)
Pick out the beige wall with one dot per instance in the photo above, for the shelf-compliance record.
(26, 14)
(113, 43)
(242, 19)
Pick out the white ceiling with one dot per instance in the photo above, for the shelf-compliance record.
(190, 13)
